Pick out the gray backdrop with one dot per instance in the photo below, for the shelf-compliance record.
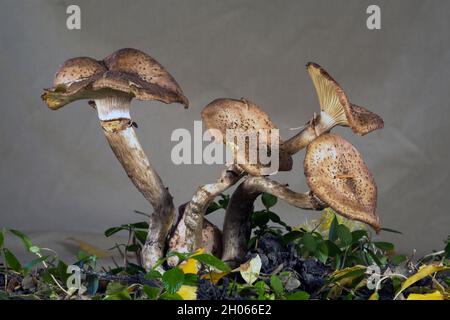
(58, 173)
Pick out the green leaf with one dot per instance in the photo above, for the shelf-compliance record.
(375, 258)
(260, 287)
(390, 230)
(212, 261)
(212, 208)
(276, 285)
(333, 249)
(386, 246)
(291, 236)
(151, 292)
(12, 261)
(322, 252)
(268, 200)
(152, 275)
(92, 284)
(117, 291)
(2, 239)
(25, 239)
(260, 218)
(446, 250)
(190, 279)
(141, 235)
(358, 234)
(170, 296)
(398, 259)
(299, 295)
(173, 279)
(140, 225)
(133, 248)
(344, 235)
(27, 267)
(332, 233)
(309, 242)
(109, 232)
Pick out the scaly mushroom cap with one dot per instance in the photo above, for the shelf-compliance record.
(334, 102)
(336, 173)
(126, 71)
(231, 114)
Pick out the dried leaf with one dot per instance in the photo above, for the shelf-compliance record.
(426, 296)
(422, 273)
(250, 270)
(214, 277)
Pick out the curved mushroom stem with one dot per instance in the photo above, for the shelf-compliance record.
(317, 126)
(236, 229)
(187, 236)
(125, 145)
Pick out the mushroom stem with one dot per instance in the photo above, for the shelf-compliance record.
(317, 126)
(122, 138)
(237, 229)
(187, 236)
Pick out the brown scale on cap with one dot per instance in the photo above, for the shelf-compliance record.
(334, 102)
(336, 173)
(77, 69)
(224, 114)
(128, 71)
(145, 67)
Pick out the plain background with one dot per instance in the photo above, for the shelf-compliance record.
(57, 172)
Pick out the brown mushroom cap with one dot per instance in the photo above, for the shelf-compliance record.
(223, 114)
(126, 71)
(336, 173)
(334, 102)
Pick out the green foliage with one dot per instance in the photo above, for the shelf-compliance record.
(346, 250)
(222, 203)
(173, 279)
(212, 261)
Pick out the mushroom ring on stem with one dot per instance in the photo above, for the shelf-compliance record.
(111, 84)
(335, 109)
(248, 131)
(336, 173)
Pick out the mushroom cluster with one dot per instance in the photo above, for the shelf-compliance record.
(335, 171)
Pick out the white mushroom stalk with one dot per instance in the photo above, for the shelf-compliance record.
(187, 236)
(236, 230)
(118, 130)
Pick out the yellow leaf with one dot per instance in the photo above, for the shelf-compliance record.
(94, 251)
(426, 296)
(191, 265)
(214, 277)
(374, 296)
(188, 292)
(422, 273)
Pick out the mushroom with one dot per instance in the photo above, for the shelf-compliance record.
(335, 108)
(335, 171)
(111, 84)
(246, 118)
